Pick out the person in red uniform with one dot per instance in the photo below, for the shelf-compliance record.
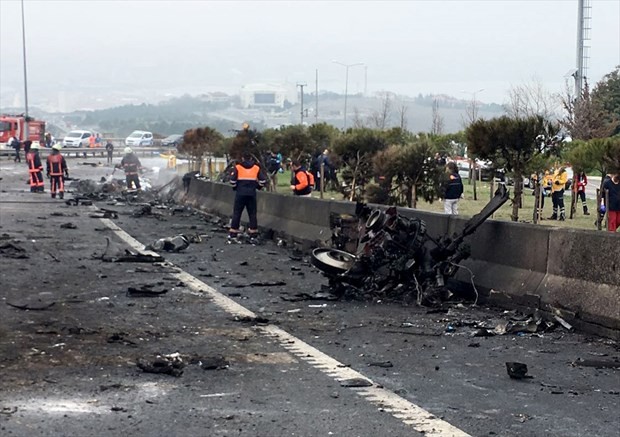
(611, 188)
(57, 170)
(579, 186)
(302, 182)
(35, 169)
(246, 177)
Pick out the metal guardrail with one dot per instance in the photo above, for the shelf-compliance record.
(85, 152)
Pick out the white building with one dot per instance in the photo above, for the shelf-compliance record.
(263, 95)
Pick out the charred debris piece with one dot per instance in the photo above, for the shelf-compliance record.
(517, 370)
(380, 253)
(146, 290)
(170, 244)
(171, 364)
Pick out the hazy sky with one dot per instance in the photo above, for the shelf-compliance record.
(408, 46)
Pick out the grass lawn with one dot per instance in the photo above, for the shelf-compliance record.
(468, 206)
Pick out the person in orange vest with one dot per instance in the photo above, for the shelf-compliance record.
(91, 141)
(57, 170)
(35, 169)
(246, 177)
(302, 181)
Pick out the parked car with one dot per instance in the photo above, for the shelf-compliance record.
(172, 141)
(77, 138)
(139, 138)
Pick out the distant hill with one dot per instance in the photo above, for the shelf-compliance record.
(223, 113)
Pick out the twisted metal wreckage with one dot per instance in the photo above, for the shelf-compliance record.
(382, 253)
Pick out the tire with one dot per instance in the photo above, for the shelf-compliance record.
(332, 261)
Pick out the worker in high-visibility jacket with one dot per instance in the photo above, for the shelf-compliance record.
(246, 177)
(35, 169)
(57, 170)
(302, 180)
(560, 177)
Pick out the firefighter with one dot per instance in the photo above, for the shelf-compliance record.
(560, 177)
(132, 167)
(35, 169)
(57, 170)
(246, 177)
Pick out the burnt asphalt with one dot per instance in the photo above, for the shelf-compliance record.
(70, 369)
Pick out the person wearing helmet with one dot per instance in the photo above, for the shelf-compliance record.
(35, 169)
(132, 167)
(57, 170)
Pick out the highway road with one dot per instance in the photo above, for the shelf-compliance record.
(261, 353)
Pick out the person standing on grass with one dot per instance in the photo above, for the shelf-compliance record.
(560, 177)
(453, 189)
(579, 187)
(611, 192)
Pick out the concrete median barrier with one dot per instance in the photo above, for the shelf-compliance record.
(571, 273)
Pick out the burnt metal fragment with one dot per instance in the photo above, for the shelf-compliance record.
(381, 253)
(517, 370)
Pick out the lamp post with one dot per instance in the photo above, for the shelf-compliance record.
(474, 104)
(346, 86)
(26, 131)
(473, 116)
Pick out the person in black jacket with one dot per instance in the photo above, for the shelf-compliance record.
(109, 147)
(246, 177)
(132, 167)
(453, 189)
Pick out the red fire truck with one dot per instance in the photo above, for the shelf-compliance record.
(14, 125)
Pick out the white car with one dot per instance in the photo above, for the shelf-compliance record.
(139, 138)
(77, 138)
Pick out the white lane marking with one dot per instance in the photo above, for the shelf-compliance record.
(409, 413)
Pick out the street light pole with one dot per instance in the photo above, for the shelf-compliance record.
(26, 133)
(346, 87)
(301, 87)
(474, 103)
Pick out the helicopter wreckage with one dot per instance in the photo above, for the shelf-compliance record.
(381, 253)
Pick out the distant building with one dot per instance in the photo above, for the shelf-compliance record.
(261, 95)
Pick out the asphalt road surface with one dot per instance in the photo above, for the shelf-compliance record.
(252, 349)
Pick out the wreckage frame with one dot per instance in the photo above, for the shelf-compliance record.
(381, 253)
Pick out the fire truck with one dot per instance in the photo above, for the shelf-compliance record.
(14, 125)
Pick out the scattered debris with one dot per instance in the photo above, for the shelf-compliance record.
(255, 284)
(517, 370)
(433, 334)
(250, 319)
(384, 364)
(214, 363)
(306, 296)
(119, 337)
(170, 244)
(599, 364)
(8, 410)
(396, 257)
(168, 364)
(12, 250)
(31, 307)
(145, 290)
(563, 322)
(355, 382)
